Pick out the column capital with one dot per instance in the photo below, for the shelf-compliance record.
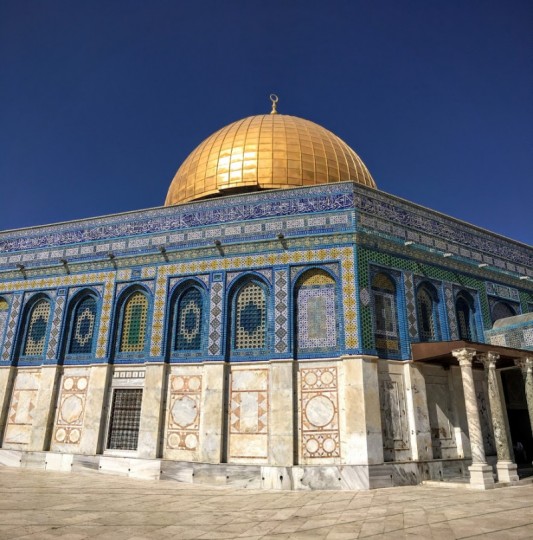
(464, 356)
(488, 359)
(525, 364)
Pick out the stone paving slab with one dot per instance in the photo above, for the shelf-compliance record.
(76, 506)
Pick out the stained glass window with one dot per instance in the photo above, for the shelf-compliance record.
(83, 327)
(250, 318)
(125, 419)
(426, 315)
(385, 318)
(188, 335)
(133, 333)
(316, 317)
(36, 330)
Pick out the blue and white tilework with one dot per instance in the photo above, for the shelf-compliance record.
(281, 307)
(215, 322)
(55, 329)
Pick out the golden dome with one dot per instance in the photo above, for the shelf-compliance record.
(267, 151)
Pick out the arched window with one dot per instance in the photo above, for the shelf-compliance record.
(316, 312)
(464, 311)
(250, 317)
(134, 322)
(189, 321)
(385, 313)
(83, 326)
(426, 303)
(4, 308)
(36, 328)
(502, 310)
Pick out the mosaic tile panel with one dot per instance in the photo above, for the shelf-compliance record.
(37, 326)
(9, 339)
(316, 311)
(215, 321)
(4, 312)
(105, 319)
(281, 315)
(449, 301)
(69, 419)
(320, 413)
(83, 327)
(158, 315)
(248, 422)
(502, 291)
(133, 334)
(55, 329)
(184, 407)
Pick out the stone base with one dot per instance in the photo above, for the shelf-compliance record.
(507, 471)
(481, 476)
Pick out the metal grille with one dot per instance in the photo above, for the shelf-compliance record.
(83, 327)
(250, 331)
(189, 327)
(134, 323)
(426, 323)
(38, 323)
(125, 419)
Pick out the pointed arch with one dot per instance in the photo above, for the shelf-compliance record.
(385, 311)
(427, 312)
(465, 316)
(133, 321)
(502, 310)
(36, 323)
(188, 318)
(248, 315)
(316, 312)
(82, 323)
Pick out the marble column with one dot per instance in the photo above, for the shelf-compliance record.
(526, 365)
(480, 473)
(505, 467)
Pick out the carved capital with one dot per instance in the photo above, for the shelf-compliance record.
(464, 356)
(488, 359)
(525, 364)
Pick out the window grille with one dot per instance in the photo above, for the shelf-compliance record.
(189, 321)
(385, 318)
(250, 327)
(426, 317)
(125, 419)
(37, 326)
(134, 324)
(83, 327)
(464, 319)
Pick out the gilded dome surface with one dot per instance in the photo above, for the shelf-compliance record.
(267, 151)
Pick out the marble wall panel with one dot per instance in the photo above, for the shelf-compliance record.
(22, 409)
(320, 435)
(441, 415)
(68, 427)
(249, 412)
(393, 409)
(482, 395)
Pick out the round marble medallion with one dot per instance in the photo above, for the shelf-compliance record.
(326, 378)
(184, 411)
(194, 383)
(74, 435)
(311, 446)
(82, 383)
(173, 440)
(191, 441)
(310, 378)
(177, 383)
(320, 411)
(71, 409)
(60, 435)
(329, 445)
(68, 383)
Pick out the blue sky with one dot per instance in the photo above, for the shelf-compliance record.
(101, 101)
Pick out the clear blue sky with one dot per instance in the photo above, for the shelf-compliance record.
(101, 101)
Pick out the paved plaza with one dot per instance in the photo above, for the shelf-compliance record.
(40, 505)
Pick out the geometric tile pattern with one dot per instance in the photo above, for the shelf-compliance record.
(189, 327)
(105, 319)
(184, 412)
(4, 312)
(11, 326)
(160, 296)
(320, 413)
(135, 313)
(215, 318)
(71, 409)
(410, 305)
(82, 326)
(57, 320)
(281, 315)
(450, 310)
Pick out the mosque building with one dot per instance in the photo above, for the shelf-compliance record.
(280, 323)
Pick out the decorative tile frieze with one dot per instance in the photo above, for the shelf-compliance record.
(281, 307)
(11, 328)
